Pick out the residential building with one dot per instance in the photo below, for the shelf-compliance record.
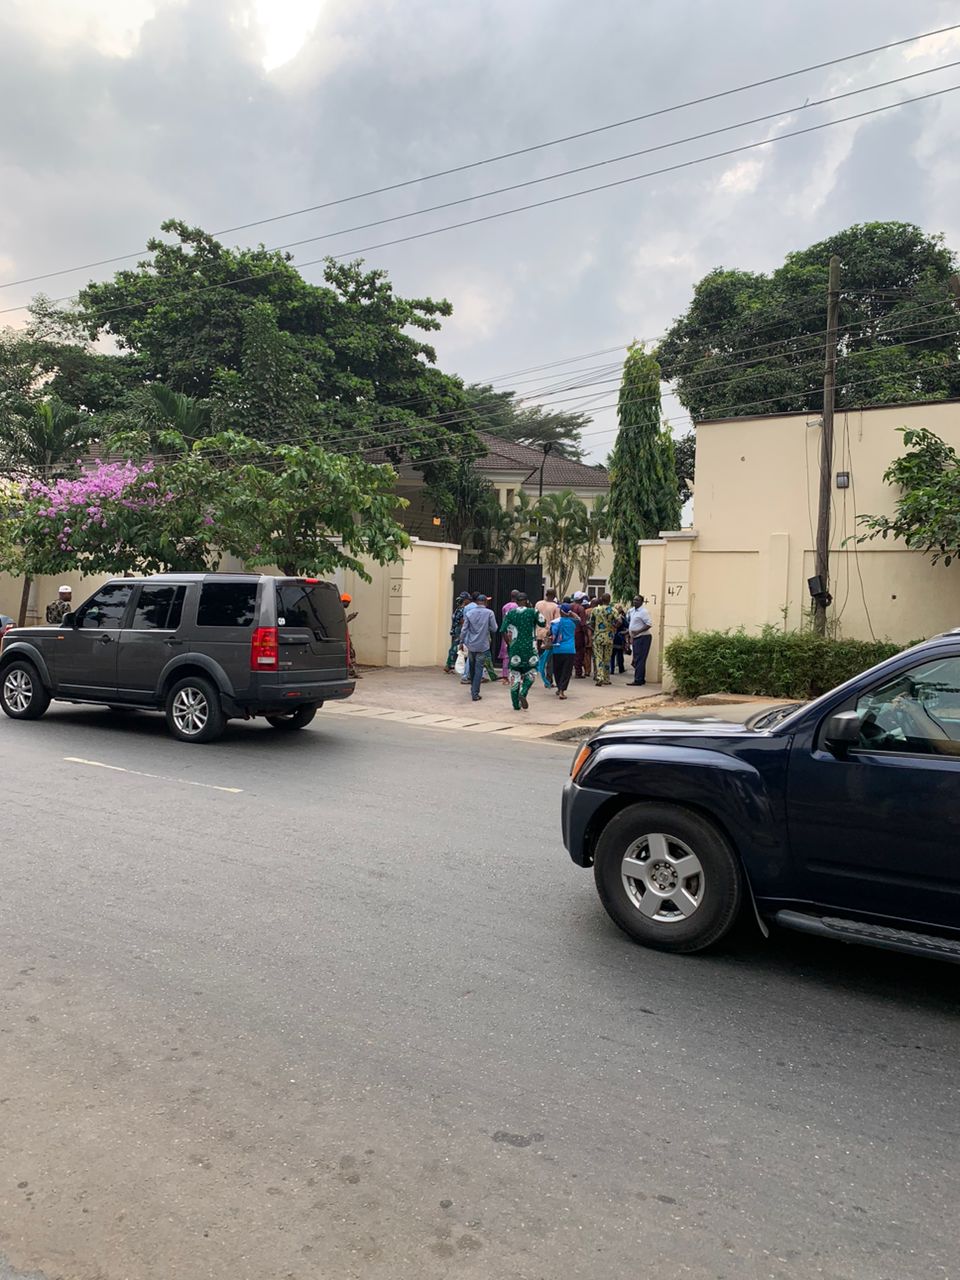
(747, 560)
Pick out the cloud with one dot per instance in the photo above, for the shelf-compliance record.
(117, 115)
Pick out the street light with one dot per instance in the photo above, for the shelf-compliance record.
(546, 449)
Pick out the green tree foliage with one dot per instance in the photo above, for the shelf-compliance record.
(596, 526)
(927, 515)
(753, 343)
(684, 460)
(296, 506)
(562, 528)
(341, 362)
(643, 489)
(43, 439)
(499, 413)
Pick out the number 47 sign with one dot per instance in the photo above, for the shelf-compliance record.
(675, 589)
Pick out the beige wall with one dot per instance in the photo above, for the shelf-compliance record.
(755, 510)
(44, 592)
(403, 613)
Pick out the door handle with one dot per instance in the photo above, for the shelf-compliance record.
(173, 643)
(106, 639)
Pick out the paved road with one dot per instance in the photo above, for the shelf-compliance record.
(356, 1015)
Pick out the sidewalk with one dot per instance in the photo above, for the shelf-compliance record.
(428, 697)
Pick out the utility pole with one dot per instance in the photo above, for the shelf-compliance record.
(822, 597)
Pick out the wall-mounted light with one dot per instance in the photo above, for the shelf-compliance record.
(843, 479)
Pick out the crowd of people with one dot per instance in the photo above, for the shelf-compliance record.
(572, 638)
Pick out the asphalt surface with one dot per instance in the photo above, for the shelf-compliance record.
(355, 1014)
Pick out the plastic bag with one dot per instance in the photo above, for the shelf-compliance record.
(460, 665)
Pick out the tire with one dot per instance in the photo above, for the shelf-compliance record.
(686, 872)
(298, 719)
(22, 693)
(194, 711)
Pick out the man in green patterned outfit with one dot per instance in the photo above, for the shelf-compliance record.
(520, 629)
(603, 621)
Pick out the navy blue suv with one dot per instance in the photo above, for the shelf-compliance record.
(838, 817)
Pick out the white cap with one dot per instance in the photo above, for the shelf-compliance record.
(61, 590)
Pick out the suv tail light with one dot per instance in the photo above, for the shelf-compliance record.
(264, 650)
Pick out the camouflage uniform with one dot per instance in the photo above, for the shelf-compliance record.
(57, 611)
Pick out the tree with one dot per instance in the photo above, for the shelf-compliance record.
(38, 440)
(296, 506)
(753, 343)
(596, 527)
(498, 413)
(684, 458)
(927, 515)
(643, 490)
(47, 434)
(561, 524)
(522, 540)
(340, 363)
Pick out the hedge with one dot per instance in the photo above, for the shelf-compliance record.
(775, 664)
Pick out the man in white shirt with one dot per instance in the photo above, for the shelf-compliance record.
(639, 623)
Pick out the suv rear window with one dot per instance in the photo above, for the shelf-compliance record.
(227, 604)
(313, 606)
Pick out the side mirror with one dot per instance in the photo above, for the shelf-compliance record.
(69, 619)
(842, 731)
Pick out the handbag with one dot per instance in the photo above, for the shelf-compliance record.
(460, 665)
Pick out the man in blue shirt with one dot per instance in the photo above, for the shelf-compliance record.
(477, 636)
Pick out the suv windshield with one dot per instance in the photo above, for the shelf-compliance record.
(314, 606)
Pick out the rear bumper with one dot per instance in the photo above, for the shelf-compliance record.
(577, 808)
(268, 698)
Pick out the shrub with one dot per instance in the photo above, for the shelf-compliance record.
(775, 664)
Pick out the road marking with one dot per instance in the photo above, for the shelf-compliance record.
(157, 777)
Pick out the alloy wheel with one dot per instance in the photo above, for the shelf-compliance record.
(18, 690)
(190, 711)
(663, 878)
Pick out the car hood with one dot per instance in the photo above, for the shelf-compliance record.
(701, 725)
(653, 726)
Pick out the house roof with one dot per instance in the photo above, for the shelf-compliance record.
(506, 455)
(558, 472)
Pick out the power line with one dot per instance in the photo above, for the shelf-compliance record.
(599, 164)
(446, 457)
(521, 151)
(537, 204)
(465, 415)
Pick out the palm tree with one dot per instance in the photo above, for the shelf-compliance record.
(562, 530)
(522, 541)
(588, 557)
(40, 443)
(37, 443)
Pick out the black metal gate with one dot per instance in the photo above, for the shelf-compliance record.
(498, 580)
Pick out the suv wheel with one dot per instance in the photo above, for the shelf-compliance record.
(668, 878)
(22, 694)
(194, 711)
(298, 719)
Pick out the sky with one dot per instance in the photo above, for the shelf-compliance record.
(120, 113)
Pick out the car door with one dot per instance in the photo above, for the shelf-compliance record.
(86, 653)
(150, 639)
(875, 825)
(312, 631)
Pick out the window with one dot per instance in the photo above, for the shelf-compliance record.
(918, 711)
(227, 604)
(158, 608)
(312, 606)
(105, 610)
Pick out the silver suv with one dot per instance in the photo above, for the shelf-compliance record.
(201, 647)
